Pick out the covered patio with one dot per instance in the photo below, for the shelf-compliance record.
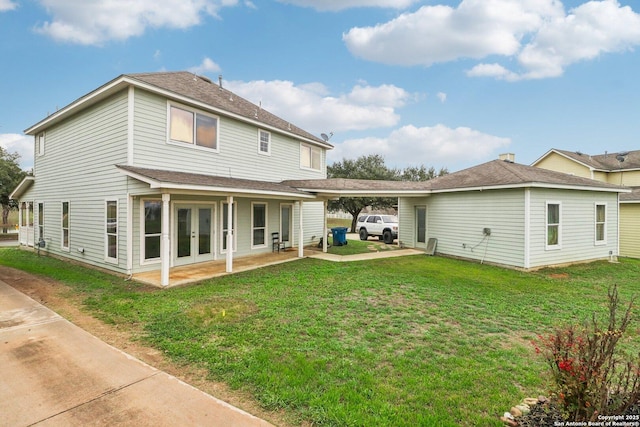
(192, 273)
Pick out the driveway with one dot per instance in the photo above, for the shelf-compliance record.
(53, 373)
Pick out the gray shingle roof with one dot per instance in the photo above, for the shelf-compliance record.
(605, 162)
(633, 197)
(498, 173)
(494, 174)
(203, 90)
(211, 182)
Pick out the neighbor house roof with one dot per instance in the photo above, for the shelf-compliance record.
(633, 197)
(174, 180)
(608, 162)
(497, 174)
(188, 88)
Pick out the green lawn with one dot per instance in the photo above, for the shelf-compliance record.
(408, 341)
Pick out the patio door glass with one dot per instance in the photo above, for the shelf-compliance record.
(421, 225)
(193, 235)
(285, 224)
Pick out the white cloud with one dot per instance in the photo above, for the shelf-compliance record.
(591, 29)
(207, 66)
(312, 107)
(335, 5)
(95, 22)
(438, 146)
(21, 144)
(442, 97)
(6, 5)
(537, 33)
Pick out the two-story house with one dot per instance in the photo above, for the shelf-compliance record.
(614, 168)
(156, 170)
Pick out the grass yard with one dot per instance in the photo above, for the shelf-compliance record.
(404, 341)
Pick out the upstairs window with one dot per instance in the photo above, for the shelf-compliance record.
(554, 226)
(310, 157)
(601, 224)
(264, 142)
(40, 144)
(192, 127)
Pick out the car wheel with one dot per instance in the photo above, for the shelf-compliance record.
(387, 237)
(363, 234)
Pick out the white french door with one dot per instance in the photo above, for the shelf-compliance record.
(193, 233)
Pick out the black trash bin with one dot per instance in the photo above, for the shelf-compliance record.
(339, 236)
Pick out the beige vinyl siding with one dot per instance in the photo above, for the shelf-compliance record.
(78, 167)
(628, 178)
(238, 156)
(560, 163)
(630, 230)
(578, 226)
(457, 221)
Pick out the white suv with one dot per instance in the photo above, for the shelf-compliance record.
(383, 226)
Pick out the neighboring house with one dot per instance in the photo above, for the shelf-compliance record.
(614, 168)
(156, 170)
(499, 212)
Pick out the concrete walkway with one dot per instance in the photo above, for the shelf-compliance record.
(53, 373)
(362, 257)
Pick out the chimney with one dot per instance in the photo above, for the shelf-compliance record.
(220, 80)
(507, 157)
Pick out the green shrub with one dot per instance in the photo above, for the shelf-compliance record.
(589, 373)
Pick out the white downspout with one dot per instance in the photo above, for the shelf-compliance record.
(324, 226)
(165, 257)
(300, 230)
(230, 225)
(527, 228)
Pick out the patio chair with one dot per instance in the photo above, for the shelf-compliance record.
(276, 243)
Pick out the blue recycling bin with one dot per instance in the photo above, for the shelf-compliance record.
(339, 236)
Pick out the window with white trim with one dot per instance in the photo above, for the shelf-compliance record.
(111, 230)
(40, 142)
(152, 227)
(40, 221)
(554, 225)
(193, 127)
(310, 157)
(65, 226)
(601, 224)
(259, 225)
(264, 142)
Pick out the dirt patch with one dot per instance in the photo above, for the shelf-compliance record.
(61, 299)
(559, 276)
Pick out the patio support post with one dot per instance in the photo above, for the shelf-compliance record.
(165, 247)
(300, 231)
(230, 225)
(324, 226)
